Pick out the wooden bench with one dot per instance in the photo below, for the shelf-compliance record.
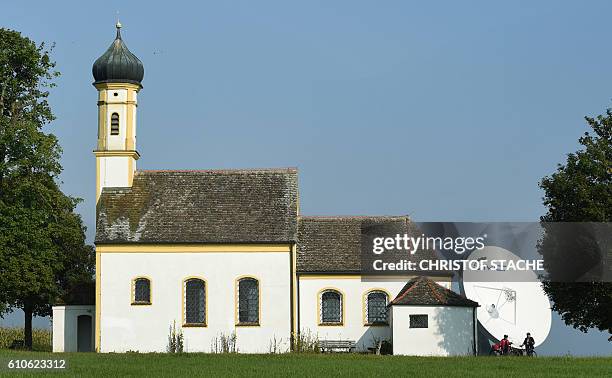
(337, 345)
(17, 344)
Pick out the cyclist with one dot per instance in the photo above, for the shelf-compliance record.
(529, 344)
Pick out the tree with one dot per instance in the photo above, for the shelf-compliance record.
(581, 191)
(42, 240)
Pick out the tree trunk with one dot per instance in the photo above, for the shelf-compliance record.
(27, 329)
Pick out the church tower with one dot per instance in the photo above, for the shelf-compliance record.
(118, 75)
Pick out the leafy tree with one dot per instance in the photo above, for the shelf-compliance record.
(581, 191)
(42, 240)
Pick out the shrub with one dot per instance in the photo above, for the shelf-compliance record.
(224, 343)
(175, 340)
(305, 343)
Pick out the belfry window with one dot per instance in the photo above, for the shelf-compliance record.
(248, 301)
(331, 308)
(376, 307)
(141, 291)
(115, 124)
(195, 302)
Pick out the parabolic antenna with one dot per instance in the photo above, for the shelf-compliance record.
(511, 303)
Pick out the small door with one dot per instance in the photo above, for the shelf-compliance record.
(84, 333)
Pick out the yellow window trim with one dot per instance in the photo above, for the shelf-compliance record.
(342, 307)
(133, 295)
(237, 302)
(191, 248)
(184, 299)
(364, 311)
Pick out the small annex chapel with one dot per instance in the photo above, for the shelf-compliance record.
(226, 253)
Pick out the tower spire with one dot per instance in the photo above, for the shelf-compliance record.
(118, 26)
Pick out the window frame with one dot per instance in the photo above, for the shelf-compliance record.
(365, 307)
(184, 302)
(320, 307)
(237, 321)
(112, 133)
(134, 302)
(410, 321)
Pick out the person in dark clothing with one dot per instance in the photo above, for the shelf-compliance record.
(529, 344)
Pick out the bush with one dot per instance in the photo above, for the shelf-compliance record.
(41, 338)
(305, 342)
(224, 343)
(175, 340)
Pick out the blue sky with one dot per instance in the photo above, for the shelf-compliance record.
(443, 110)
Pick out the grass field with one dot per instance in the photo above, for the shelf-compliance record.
(320, 365)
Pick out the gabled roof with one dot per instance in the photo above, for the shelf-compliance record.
(333, 244)
(213, 206)
(422, 291)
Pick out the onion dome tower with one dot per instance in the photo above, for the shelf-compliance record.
(118, 78)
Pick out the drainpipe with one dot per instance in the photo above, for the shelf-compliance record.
(474, 325)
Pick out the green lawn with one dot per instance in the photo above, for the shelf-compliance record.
(328, 365)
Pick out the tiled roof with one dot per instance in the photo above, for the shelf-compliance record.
(421, 291)
(333, 244)
(216, 206)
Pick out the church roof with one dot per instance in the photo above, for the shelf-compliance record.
(214, 206)
(118, 64)
(334, 244)
(422, 291)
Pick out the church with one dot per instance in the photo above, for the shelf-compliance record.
(226, 254)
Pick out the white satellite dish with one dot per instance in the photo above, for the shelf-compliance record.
(508, 307)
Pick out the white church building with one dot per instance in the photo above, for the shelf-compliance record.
(227, 252)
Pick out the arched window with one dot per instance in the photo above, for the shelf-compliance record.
(195, 302)
(248, 301)
(376, 307)
(331, 307)
(141, 291)
(115, 124)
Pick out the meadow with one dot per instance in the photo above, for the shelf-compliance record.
(320, 365)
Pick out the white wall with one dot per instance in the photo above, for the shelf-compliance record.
(450, 331)
(115, 171)
(145, 328)
(353, 289)
(65, 326)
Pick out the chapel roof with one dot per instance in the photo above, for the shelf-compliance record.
(423, 291)
(211, 206)
(334, 244)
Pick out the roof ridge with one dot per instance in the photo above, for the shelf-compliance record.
(416, 280)
(325, 217)
(224, 170)
(434, 291)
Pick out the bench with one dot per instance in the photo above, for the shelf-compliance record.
(17, 344)
(336, 345)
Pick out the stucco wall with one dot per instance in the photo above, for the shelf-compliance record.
(353, 289)
(450, 331)
(65, 326)
(126, 327)
(115, 171)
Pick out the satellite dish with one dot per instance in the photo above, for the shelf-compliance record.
(511, 303)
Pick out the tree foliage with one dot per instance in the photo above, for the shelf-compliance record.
(42, 240)
(581, 191)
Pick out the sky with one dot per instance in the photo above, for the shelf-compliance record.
(441, 110)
